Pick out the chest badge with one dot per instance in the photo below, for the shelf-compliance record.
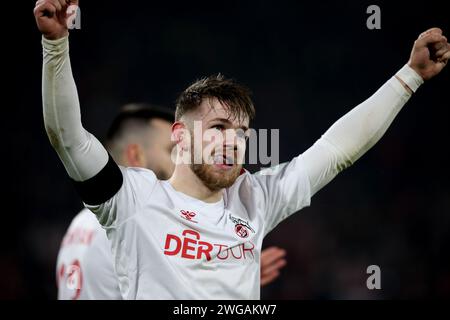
(241, 227)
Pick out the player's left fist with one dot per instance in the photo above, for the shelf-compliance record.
(430, 53)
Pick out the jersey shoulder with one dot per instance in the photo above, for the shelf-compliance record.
(138, 176)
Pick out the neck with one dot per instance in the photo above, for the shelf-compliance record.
(186, 181)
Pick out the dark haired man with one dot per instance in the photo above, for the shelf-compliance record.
(199, 234)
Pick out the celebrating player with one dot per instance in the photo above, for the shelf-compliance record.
(138, 137)
(198, 235)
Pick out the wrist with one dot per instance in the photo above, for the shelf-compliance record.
(55, 46)
(409, 76)
(57, 36)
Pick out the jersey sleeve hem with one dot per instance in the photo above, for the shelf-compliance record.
(103, 186)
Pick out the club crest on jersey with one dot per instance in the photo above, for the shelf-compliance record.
(188, 215)
(241, 227)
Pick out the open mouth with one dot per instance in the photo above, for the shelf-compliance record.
(223, 161)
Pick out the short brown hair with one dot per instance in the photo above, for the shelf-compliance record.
(235, 97)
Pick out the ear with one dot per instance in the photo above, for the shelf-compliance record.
(135, 155)
(180, 135)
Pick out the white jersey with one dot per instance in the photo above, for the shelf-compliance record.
(85, 267)
(168, 245)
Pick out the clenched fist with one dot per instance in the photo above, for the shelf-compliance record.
(54, 16)
(430, 53)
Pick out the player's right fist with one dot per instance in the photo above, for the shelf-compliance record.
(53, 18)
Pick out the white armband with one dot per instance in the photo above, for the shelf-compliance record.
(412, 79)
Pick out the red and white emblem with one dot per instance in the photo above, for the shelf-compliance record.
(241, 231)
(241, 227)
(188, 215)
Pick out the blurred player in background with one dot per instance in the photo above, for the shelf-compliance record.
(138, 137)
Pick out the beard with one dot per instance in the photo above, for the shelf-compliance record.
(162, 174)
(214, 178)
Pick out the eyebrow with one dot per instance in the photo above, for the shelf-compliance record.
(245, 128)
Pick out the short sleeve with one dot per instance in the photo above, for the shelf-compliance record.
(137, 186)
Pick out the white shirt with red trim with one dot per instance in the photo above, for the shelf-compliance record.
(85, 268)
(167, 245)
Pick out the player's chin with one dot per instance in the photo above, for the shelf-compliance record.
(226, 176)
(215, 177)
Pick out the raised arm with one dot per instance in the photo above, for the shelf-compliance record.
(357, 131)
(82, 154)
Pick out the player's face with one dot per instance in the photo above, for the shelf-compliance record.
(158, 152)
(223, 141)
